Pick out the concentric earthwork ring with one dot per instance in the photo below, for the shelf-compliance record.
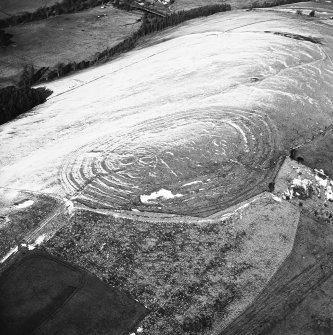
(192, 163)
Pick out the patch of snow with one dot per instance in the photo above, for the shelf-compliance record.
(135, 210)
(139, 330)
(166, 194)
(237, 127)
(276, 198)
(25, 204)
(304, 183)
(289, 194)
(321, 181)
(40, 239)
(244, 206)
(240, 209)
(12, 251)
(69, 206)
(329, 193)
(192, 183)
(320, 171)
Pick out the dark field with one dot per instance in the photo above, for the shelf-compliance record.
(79, 36)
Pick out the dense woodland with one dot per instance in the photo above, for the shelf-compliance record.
(15, 101)
(5, 38)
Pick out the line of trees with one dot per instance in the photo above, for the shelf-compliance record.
(5, 38)
(274, 3)
(150, 24)
(155, 23)
(15, 101)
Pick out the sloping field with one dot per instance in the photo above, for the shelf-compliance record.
(213, 72)
(64, 39)
(191, 124)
